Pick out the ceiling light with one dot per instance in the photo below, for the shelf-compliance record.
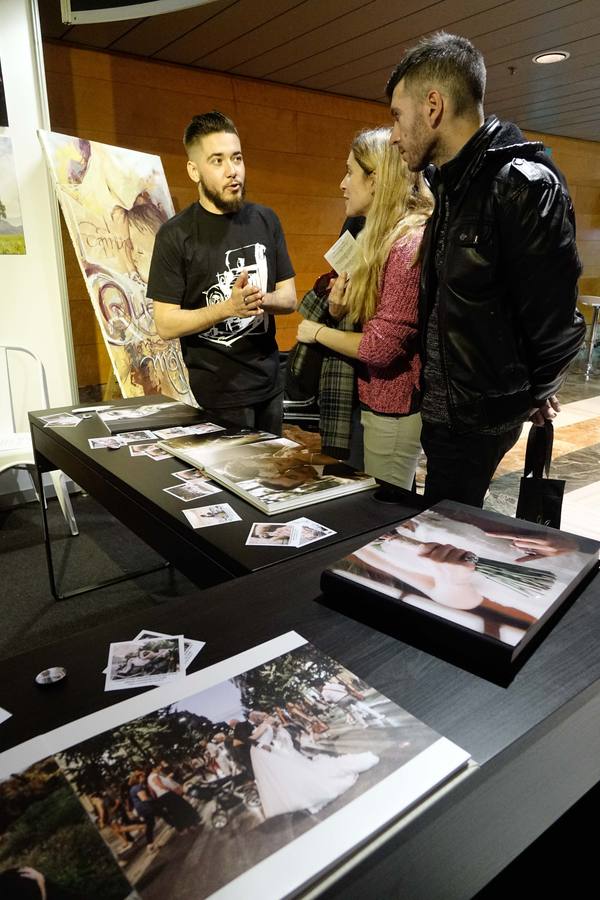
(551, 56)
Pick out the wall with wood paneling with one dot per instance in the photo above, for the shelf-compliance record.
(295, 143)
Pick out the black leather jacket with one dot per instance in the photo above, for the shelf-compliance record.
(501, 259)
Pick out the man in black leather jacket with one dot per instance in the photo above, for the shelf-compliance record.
(499, 269)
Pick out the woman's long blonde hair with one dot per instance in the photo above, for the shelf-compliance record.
(401, 204)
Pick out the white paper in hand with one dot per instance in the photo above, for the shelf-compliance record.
(344, 255)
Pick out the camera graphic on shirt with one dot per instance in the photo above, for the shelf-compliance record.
(252, 258)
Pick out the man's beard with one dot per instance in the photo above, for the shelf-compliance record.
(225, 206)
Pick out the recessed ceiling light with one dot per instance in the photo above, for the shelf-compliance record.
(551, 56)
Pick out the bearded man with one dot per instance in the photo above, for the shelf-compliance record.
(220, 270)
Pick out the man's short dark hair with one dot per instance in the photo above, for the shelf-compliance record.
(446, 58)
(207, 123)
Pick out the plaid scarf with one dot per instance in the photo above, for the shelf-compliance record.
(338, 379)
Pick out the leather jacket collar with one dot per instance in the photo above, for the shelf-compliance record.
(492, 141)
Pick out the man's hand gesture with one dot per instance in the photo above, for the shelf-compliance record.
(246, 299)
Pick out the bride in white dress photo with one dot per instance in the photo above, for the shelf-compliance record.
(288, 781)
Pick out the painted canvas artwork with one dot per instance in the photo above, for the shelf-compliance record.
(114, 201)
(12, 240)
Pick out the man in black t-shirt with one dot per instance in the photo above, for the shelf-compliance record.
(220, 268)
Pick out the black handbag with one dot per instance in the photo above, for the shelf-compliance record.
(540, 499)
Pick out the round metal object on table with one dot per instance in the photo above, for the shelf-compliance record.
(51, 677)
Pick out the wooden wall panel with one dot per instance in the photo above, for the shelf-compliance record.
(295, 143)
(580, 162)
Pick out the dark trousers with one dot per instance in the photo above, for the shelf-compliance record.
(461, 466)
(265, 416)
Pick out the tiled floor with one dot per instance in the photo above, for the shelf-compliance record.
(575, 458)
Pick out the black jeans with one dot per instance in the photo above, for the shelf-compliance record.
(265, 416)
(461, 466)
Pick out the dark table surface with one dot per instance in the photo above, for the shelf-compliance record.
(132, 489)
(481, 715)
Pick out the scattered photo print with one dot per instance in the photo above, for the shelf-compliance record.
(175, 431)
(156, 453)
(204, 516)
(273, 534)
(64, 420)
(112, 415)
(192, 490)
(111, 443)
(311, 531)
(132, 437)
(138, 449)
(204, 428)
(189, 474)
(133, 664)
(191, 648)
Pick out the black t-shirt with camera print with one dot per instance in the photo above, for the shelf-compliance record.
(197, 257)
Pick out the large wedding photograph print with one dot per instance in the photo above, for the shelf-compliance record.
(200, 791)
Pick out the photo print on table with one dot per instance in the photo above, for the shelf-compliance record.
(265, 768)
(311, 531)
(110, 442)
(63, 420)
(134, 664)
(191, 648)
(193, 490)
(189, 474)
(273, 534)
(134, 437)
(204, 516)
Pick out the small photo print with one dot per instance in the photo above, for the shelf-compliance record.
(113, 415)
(65, 420)
(204, 516)
(132, 437)
(156, 453)
(273, 534)
(192, 490)
(191, 648)
(310, 531)
(189, 474)
(138, 449)
(4, 715)
(111, 443)
(175, 431)
(133, 664)
(203, 428)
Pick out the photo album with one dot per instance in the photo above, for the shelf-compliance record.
(250, 778)
(485, 575)
(273, 474)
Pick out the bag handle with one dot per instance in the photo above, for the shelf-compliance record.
(539, 450)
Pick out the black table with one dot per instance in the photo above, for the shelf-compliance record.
(131, 488)
(537, 739)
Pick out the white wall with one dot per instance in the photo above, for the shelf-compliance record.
(33, 295)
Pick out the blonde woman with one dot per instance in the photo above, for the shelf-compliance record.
(382, 296)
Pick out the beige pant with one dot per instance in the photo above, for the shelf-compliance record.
(392, 447)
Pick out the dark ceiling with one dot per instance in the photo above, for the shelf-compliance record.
(349, 47)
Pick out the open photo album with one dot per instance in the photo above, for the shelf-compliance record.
(273, 474)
